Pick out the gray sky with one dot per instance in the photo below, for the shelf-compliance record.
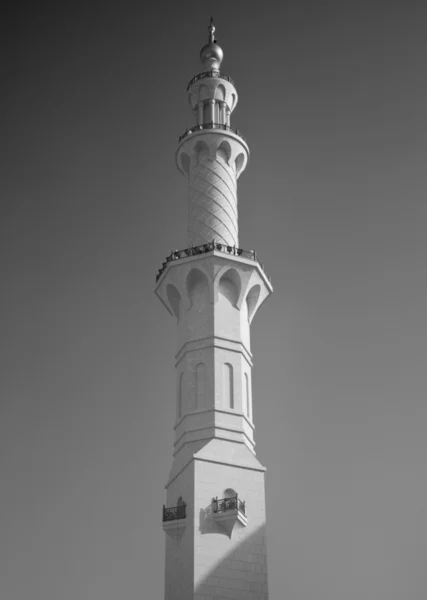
(332, 103)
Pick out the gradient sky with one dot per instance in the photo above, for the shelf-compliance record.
(333, 98)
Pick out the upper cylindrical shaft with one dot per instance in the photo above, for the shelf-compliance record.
(211, 154)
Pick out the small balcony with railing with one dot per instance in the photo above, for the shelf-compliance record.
(210, 125)
(229, 510)
(209, 247)
(213, 73)
(174, 518)
(226, 504)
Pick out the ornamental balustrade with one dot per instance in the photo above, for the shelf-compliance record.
(212, 73)
(203, 249)
(225, 504)
(176, 512)
(210, 125)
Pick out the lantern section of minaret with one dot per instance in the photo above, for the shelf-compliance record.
(214, 515)
(212, 154)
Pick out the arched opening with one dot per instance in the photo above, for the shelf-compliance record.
(230, 493)
(230, 285)
(174, 298)
(252, 300)
(229, 501)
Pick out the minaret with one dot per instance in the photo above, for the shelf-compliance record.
(214, 516)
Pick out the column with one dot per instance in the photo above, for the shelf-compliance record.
(200, 113)
(212, 102)
(223, 113)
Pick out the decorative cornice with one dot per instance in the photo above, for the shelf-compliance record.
(213, 410)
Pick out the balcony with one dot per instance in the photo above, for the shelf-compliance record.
(227, 512)
(209, 247)
(226, 504)
(174, 519)
(210, 125)
(213, 73)
(174, 513)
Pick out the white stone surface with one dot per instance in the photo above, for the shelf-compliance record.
(179, 563)
(206, 561)
(212, 162)
(213, 360)
(211, 296)
(214, 298)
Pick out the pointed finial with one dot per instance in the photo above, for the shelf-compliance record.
(211, 30)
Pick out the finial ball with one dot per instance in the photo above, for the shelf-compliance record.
(211, 55)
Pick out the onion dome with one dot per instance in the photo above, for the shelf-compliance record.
(211, 55)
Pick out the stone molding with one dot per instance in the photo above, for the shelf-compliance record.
(195, 345)
(260, 468)
(214, 431)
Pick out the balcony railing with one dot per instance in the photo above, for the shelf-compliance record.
(213, 73)
(203, 249)
(176, 512)
(210, 126)
(225, 504)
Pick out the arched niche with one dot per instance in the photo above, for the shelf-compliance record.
(252, 300)
(228, 385)
(201, 150)
(185, 162)
(174, 298)
(230, 285)
(220, 92)
(239, 163)
(197, 287)
(224, 151)
(204, 92)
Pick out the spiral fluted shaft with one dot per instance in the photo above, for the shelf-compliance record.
(212, 202)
